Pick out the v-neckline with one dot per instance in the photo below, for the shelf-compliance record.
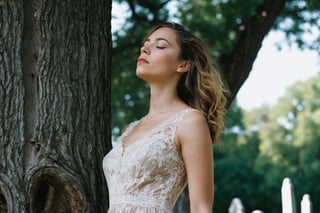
(149, 131)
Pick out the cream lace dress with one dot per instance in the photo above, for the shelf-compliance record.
(148, 175)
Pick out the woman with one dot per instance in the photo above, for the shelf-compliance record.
(171, 146)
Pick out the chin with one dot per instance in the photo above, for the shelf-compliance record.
(140, 74)
(145, 77)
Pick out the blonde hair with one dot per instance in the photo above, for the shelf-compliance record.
(202, 86)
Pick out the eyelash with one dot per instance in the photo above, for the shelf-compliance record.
(158, 47)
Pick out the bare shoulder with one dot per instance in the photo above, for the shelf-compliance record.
(193, 127)
(192, 119)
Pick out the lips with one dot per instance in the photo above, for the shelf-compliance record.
(143, 61)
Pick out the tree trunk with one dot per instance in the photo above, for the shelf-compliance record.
(54, 105)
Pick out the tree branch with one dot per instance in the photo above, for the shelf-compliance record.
(151, 6)
(237, 65)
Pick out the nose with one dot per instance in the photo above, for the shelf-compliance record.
(145, 49)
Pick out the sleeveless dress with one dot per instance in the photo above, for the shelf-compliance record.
(148, 175)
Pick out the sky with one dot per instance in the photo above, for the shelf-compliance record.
(272, 72)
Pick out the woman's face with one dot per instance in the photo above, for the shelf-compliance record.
(159, 56)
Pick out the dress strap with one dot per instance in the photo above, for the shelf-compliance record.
(183, 113)
(179, 118)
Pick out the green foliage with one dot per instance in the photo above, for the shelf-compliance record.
(234, 162)
(290, 141)
(234, 177)
(298, 18)
(216, 22)
(263, 146)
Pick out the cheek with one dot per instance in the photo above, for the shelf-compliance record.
(167, 59)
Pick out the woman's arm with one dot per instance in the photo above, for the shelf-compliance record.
(196, 149)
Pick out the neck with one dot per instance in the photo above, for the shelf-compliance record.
(163, 100)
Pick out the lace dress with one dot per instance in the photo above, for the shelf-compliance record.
(148, 175)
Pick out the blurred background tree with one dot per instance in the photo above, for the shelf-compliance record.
(288, 145)
(261, 146)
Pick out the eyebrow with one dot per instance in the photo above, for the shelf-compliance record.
(158, 39)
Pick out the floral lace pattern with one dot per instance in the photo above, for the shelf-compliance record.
(148, 175)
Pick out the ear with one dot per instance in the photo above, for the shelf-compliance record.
(184, 66)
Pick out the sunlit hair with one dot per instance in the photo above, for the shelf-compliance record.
(201, 87)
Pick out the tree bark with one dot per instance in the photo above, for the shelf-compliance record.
(55, 62)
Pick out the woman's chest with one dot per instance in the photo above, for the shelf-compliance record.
(146, 155)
